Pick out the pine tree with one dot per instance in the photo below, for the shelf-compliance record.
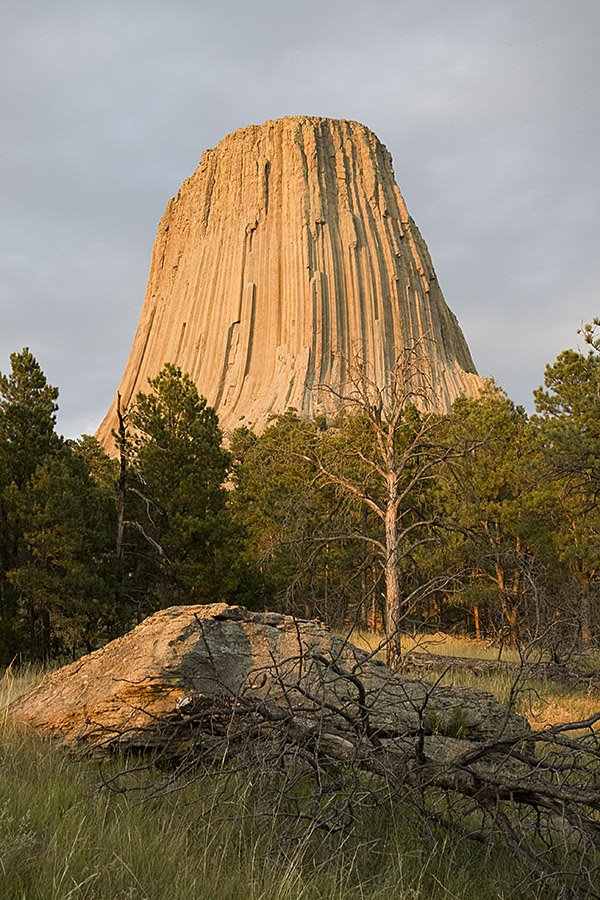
(181, 541)
(495, 496)
(569, 407)
(61, 575)
(27, 439)
(27, 419)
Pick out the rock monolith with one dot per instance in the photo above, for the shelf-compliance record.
(286, 255)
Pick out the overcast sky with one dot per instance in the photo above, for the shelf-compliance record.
(491, 111)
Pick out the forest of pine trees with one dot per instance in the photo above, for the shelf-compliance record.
(485, 521)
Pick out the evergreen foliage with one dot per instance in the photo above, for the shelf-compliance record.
(58, 577)
(54, 517)
(496, 513)
(495, 495)
(181, 542)
(569, 408)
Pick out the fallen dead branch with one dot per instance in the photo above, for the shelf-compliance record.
(329, 734)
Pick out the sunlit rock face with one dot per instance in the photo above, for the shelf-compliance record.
(286, 255)
(192, 659)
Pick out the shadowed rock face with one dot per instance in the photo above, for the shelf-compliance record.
(287, 253)
(189, 660)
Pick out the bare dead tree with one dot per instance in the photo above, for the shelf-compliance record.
(403, 454)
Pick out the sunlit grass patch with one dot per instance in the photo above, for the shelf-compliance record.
(17, 681)
(438, 643)
(543, 701)
(13, 683)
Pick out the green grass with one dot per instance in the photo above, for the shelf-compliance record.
(63, 835)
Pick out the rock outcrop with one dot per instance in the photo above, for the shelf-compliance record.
(287, 254)
(211, 665)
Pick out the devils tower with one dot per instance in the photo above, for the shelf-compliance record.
(288, 252)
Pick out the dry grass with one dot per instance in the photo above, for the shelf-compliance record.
(542, 701)
(554, 707)
(439, 644)
(14, 683)
(63, 836)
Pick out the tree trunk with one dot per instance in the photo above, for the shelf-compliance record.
(374, 623)
(586, 614)
(477, 623)
(364, 594)
(511, 615)
(509, 608)
(393, 606)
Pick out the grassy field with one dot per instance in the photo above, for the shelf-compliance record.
(63, 835)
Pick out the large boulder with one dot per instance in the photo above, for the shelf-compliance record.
(208, 669)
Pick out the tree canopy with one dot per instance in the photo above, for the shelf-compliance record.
(390, 516)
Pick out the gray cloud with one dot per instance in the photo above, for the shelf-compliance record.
(490, 110)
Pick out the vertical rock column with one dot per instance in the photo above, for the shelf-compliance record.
(288, 252)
